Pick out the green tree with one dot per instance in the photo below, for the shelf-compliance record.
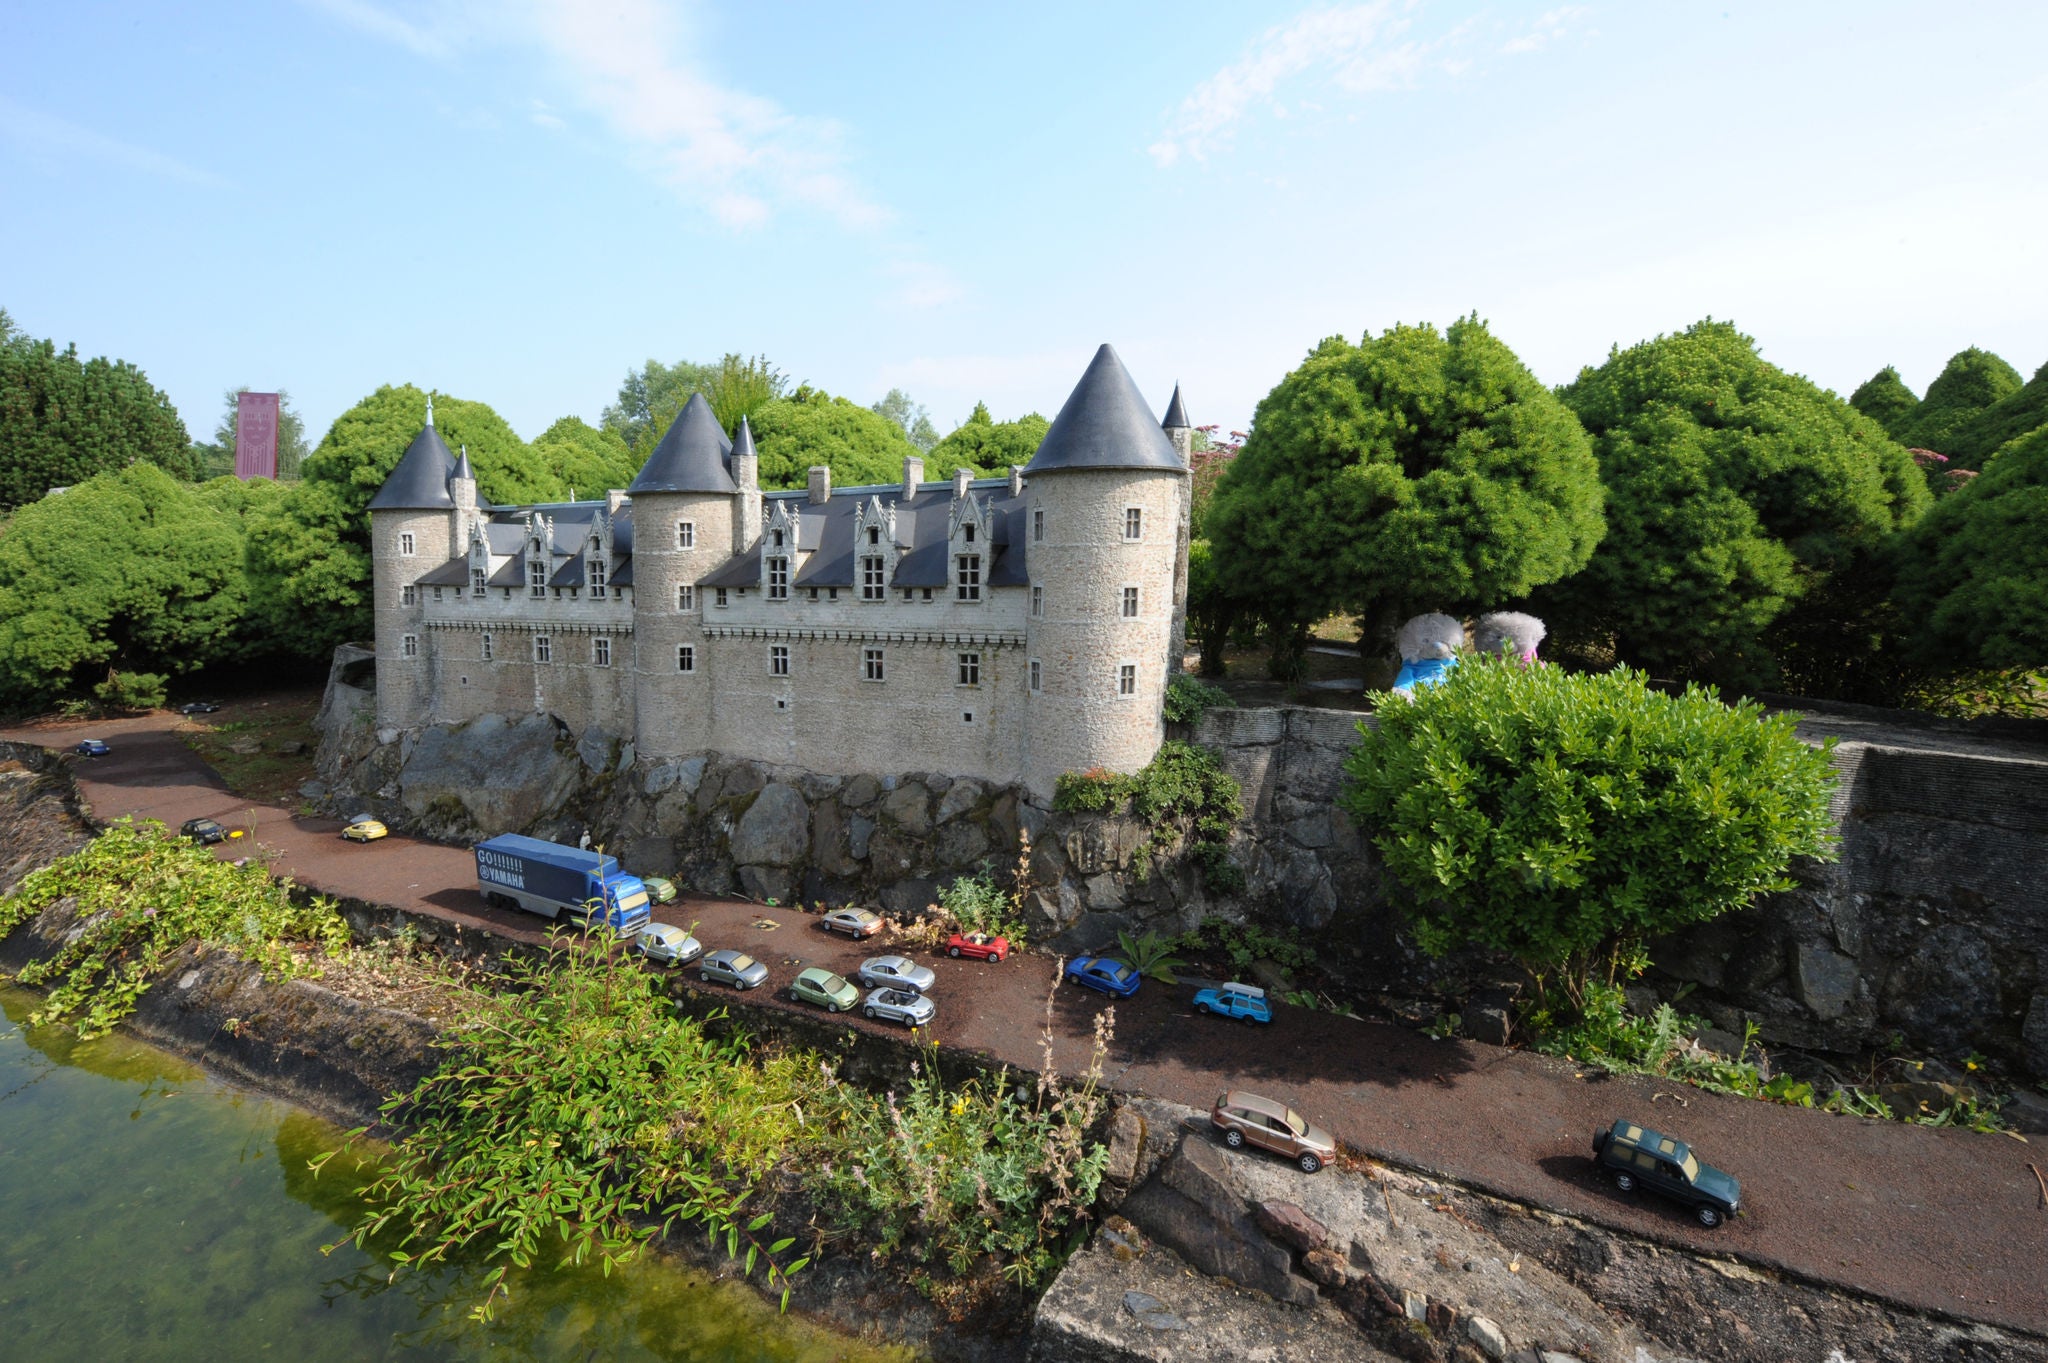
(911, 416)
(811, 427)
(649, 399)
(584, 459)
(2012, 416)
(1972, 382)
(1885, 399)
(1416, 470)
(739, 387)
(1733, 490)
(1974, 572)
(309, 570)
(129, 571)
(366, 442)
(218, 459)
(63, 419)
(1566, 818)
(987, 445)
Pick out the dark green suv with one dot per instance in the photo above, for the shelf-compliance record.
(1635, 1156)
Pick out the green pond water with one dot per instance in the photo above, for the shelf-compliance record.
(149, 1212)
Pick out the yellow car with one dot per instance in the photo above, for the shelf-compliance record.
(365, 830)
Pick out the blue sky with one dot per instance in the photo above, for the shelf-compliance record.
(517, 202)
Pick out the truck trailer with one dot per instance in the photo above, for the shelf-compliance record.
(552, 880)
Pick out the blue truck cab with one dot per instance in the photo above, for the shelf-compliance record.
(551, 880)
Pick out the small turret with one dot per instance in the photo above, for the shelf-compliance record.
(1177, 428)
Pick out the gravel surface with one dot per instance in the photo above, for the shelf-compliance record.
(1939, 1220)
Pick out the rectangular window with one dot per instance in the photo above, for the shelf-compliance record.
(778, 660)
(1037, 676)
(1037, 525)
(487, 647)
(778, 579)
(970, 669)
(967, 533)
(967, 577)
(408, 595)
(405, 543)
(1130, 603)
(1037, 602)
(1127, 679)
(476, 583)
(543, 649)
(872, 587)
(536, 577)
(601, 651)
(871, 664)
(721, 599)
(1134, 523)
(437, 593)
(409, 646)
(686, 534)
(686, 597)
(686, 658)
(596, 576)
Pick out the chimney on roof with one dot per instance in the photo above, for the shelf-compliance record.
(1016, 480)
(913, 474)
(614, 498)
(961, 478)
(821, 484)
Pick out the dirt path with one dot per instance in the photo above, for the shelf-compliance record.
(1940, 1220)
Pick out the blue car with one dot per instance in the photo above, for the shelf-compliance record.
(92, 747)
(1235, 1001)
(1104, 973)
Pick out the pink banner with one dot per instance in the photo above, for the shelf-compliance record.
(256, 435)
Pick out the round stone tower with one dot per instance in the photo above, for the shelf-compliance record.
(1103, 497)
(684, 501)
(412, 532)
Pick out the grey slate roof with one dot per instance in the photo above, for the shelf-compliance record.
(1105, 424)
(694, 456)
(463, 470)
(923, 536)
(1176, 418)
(420, 482)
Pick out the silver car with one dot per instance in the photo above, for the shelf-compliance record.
(735, 968)
(669, 944)
(896, 972)
(900, 1005)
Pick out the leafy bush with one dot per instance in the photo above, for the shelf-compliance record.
(143, 893)
(1564, 818)
(1151, 955)
(1188, 698)
(1183, 787)
(1244, 943)
(978, 904)
(131, 691)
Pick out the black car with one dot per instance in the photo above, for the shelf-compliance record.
(199, 707)
(203, 831)
(1636, 1156)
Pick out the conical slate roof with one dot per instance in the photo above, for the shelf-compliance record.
(1105, 424)
(462, 468)
(420, 482)
(1176, 415)
(743, 442)
(692, 457)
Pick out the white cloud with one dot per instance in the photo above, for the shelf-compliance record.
(922, 285)
(377, 23)
(1548, 28)
(542, 116)
(42, 133)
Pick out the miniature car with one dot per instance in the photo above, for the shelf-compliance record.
(365, 830)
(1634, 1155)
(854, 923)
(980, 945)
(92, 747)
(900, 1005)
(660, 889)
(1246, 1118)
(199, 707)
(829, 991)
(735, 968)
(1235, 1001)
(203, 831)
(896, 972)
(1105, 973)
(668, 943)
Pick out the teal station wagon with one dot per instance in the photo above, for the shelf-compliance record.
(1636, 1156)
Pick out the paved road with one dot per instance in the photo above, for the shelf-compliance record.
(1947, 1221)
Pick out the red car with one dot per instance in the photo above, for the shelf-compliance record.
(980, 945)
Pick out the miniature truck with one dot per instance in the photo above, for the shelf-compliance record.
(551, 880)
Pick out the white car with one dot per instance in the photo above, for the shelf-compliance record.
(900, 1005)
(668, 944)
(896, 972)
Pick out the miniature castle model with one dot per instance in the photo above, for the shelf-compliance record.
(1009, 629)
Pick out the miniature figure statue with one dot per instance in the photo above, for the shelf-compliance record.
(1429, 647)
(1512, 632)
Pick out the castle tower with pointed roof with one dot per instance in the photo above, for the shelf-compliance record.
(411, 528)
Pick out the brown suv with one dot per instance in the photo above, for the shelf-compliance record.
(1247, 1118)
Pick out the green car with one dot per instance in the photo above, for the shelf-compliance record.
(660, 889)
(820, 986)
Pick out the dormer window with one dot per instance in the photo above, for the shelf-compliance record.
(778, 575)
(874, 534)
(477, 585)
(873, 583)
(595, 574)
(967, 577)
(536, 578)
(776, 538)
(967, 533)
